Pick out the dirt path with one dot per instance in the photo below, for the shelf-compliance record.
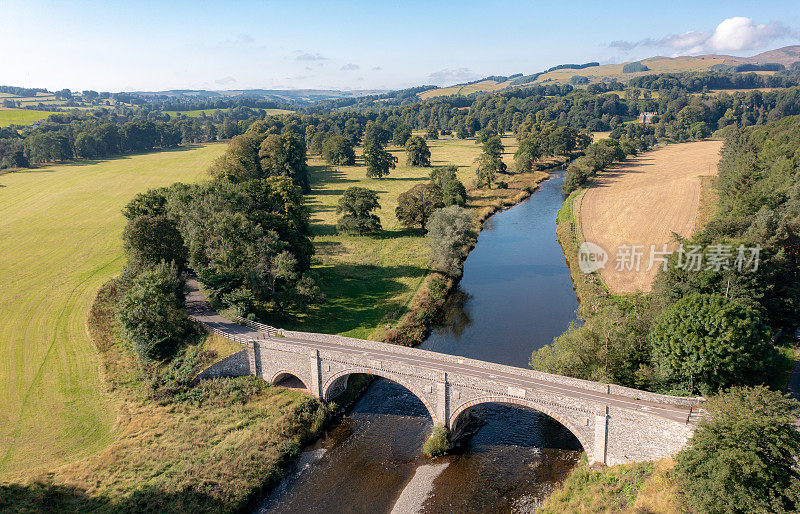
(640, 203)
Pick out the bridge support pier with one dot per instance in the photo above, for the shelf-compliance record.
(601, 437)
(253, 357)
(442, 406)
(315, 387)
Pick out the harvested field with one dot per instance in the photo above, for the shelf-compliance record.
(642, 202)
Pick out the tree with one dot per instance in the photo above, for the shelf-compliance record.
(432, 133)
(418, 152)
(357, 205)
(86, 146)
(338, 150)
(708, 341)
(415, 206)
(487, 169)
(450, 231)
(284, 156)
(400, 135)
(742, 457)
(453, 191)
(150, 239)
(253, 234)
(378, 161)
(493, 147)
(462, 132)
(152, 313)
(528, 152)
(376, 135)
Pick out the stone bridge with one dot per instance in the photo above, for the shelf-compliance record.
(614, 424)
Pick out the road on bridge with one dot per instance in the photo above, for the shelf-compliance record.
(200, 310)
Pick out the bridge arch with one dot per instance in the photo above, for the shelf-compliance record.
(331, 386)
(521, 402)
(287, 377)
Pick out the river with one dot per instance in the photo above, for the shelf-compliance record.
(515, 296)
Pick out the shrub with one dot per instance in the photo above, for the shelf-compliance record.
(742, 456)
(450, 231)
(152, 313)
(437, 444)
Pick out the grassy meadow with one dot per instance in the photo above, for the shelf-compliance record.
(76, 424)
(370, 280)
(60, 239)
(21, 116)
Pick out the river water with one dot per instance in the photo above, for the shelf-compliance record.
(515, 296)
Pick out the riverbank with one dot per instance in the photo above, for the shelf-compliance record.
(218, 445)
(415, 324)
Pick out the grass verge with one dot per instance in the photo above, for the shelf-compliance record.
(629, 488)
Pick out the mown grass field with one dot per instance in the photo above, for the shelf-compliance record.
(21, 116)
(60, 239)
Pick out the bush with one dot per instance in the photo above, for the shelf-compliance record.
(152, 313)
(437, 444)
(502, 184)
(449, 233)
(742, 456)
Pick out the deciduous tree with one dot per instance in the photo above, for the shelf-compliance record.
(415, 206)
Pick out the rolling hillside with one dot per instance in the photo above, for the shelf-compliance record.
(659, 64)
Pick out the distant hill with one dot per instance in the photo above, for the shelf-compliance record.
(278, 95)
(659, 64)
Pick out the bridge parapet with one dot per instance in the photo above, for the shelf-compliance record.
(613, 424)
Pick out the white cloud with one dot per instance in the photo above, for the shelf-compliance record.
(306, 56)
(735, 34)
(350, 67)
(452, 76)
(739, 33)
(225, 81)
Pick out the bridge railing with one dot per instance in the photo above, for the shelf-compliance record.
(242, 340)
(261, 327)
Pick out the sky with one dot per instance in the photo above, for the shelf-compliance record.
(141, 45)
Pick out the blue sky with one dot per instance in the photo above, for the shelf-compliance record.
(143, 45)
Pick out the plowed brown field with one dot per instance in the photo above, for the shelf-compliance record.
(641, 203)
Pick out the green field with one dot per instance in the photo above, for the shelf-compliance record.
(60, 230)
(369, 280)
(21, 116)
(199, 112)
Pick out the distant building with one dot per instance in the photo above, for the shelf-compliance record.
(646, 117)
